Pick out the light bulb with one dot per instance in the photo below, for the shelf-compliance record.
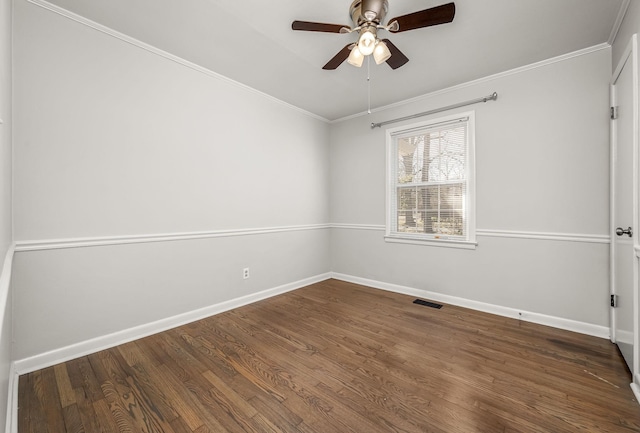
(367, 42)
(381, 53)
(355, 57)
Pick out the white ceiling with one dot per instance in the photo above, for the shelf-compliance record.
(251, 41)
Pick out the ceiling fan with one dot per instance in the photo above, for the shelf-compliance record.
(367, 17)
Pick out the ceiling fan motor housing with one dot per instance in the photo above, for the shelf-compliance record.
(368, 11)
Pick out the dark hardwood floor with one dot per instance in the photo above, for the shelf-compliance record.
(338, 357)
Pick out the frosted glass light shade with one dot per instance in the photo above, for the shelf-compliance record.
(367, 43)
(355, 57)
(381, 53)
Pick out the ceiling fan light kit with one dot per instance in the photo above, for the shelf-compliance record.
(367, 40)
(381, 53)
(355, 57)
(367, 17)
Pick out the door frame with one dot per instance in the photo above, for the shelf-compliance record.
(630, 57)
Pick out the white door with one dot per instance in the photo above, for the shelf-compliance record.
(624, 206)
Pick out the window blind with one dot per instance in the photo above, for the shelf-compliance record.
(429, 188)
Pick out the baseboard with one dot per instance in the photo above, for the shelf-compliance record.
(11, 421)
(12, 401)
(542, 319)
(73, 351)
(636, 391)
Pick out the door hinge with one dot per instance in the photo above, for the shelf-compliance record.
(614, 301)
(614, 113)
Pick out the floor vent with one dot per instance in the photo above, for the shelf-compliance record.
(427, 303)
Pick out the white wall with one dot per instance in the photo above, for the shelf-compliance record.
(5, 126)
(115, 141)
(542, 154)
(5, 202)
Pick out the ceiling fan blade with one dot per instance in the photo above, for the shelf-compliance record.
(319, 27)
(426, 18)
(338, 58)
(397, 58)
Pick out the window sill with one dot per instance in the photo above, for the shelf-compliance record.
(444, 243)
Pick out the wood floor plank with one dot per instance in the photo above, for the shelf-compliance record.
(179, 426)
(339, 357)
(207, 353)
(107, 423)
(91, 420)
(181, 400)
(81, 375)
(72, 419)
(234, 401)
(47, 392)
(130, 406)
(24, 405)
(65, 390)
(118, 408)
(37, 421)
(279, 415)
(143, 379)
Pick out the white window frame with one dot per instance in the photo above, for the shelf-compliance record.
(391, 233)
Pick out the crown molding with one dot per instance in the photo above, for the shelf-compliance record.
(622, 12)
(486, 79)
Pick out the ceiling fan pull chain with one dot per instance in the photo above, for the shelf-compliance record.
(369, 84)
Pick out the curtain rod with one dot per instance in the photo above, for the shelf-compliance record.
(492, 97)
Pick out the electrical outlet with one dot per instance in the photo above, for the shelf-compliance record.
(245, 273)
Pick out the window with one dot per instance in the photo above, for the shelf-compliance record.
(430, 196)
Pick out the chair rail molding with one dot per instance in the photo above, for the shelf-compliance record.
(516, 234)
(55, 244)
